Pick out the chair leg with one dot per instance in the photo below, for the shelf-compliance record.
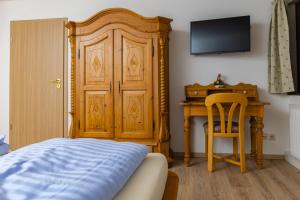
(210, 155)
(235, 148)
(206, 145)
(242, 153)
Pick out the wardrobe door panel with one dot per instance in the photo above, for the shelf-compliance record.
(133, 93)
(96, 92)
(134, 62)
(134, 115)
(95, 111)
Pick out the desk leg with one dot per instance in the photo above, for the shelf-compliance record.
(253, 137)
(259, 142)
(187, 150)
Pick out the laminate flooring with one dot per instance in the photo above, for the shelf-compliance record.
(277, 181)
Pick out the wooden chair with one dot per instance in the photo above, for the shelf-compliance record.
(225, 106)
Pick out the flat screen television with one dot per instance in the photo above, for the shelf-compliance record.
(220, 35)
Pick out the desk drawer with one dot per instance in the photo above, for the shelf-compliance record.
(248, 93)
(196, 93)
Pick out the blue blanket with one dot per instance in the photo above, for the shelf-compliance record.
(4, 149)
(2, 138)
(69, 169)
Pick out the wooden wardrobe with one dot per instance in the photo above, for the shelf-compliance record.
(119, 78)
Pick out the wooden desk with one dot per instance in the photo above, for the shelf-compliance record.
(255, 110)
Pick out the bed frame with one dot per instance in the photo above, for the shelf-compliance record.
(171, 189)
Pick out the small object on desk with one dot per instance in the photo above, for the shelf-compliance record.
(219, 83)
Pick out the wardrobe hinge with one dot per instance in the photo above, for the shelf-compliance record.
(78, 54)
(10, 127)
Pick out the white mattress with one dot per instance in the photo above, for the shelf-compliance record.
(149, 180)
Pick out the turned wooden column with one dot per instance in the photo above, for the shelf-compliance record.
(259, 142)
(72, 38)
(253, 137)
(187, 150)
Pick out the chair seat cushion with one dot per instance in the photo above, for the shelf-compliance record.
(217, 127)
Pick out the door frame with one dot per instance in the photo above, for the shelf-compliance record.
(65, 81)
(65, 74)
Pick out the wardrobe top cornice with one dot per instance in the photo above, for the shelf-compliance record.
(122, 16)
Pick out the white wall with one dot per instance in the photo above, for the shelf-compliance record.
(250, 67)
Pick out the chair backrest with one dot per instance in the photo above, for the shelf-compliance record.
(226, 101)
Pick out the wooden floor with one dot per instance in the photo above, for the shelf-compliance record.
(278, 180)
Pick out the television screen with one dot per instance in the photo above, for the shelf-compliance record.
(220, 35)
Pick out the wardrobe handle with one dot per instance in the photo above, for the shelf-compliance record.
(119, 86)
(110, 87)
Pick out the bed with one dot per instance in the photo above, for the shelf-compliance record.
(146, 183)
(85, 169)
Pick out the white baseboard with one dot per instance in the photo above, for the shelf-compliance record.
(292, 160)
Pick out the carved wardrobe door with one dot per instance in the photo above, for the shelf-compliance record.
(134, 88)
(95, 88)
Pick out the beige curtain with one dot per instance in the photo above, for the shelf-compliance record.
(280, 71)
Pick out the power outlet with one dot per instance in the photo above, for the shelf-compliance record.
(269, 137)
(266, 137)
(272, 137)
